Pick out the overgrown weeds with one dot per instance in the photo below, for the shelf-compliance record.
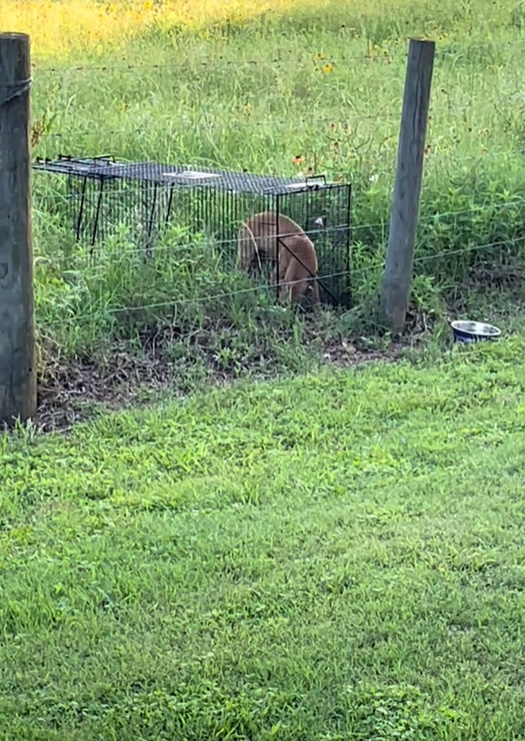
(286, 91)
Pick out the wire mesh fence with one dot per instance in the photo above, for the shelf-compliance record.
(213, 297)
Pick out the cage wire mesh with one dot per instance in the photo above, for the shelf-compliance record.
(102, 197)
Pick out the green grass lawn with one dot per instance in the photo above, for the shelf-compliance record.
(338, 556)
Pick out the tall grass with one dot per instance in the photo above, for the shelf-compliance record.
(283, 87)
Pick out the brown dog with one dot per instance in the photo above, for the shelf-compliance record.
(296, 257)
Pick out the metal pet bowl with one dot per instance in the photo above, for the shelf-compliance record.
(468, 331)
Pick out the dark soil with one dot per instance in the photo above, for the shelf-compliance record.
(71, 390)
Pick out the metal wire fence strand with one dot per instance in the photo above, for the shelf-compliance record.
(386, 55)
(433, 219)
(207, 125)
(475, 50)
(201, 299)
(123, 254)
(475, 155)
(79, 263)
(210, 298)
(335, 59)
(441, 55)
(134, 249)
(10, 91)
(468, 250)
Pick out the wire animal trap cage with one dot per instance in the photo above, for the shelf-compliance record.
(102, 197)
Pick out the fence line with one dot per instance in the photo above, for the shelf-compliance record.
(99, 268)
(219, 124)
(174, 302)
(216, 122)
(135, 250)
(478, 155)
(325, 59)
(432, 156)
(381, 54)
(467, 250)
(209, 297)
(429, 220)
(477, 49)
(470, 209)
(443, 158)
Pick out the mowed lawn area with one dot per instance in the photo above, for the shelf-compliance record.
(338, 556)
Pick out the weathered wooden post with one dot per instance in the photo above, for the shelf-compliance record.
(397, 277)
(17, 337)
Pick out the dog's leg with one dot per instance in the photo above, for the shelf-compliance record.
(295, 284)
(249, 256)
(314, 287)
(284, 288)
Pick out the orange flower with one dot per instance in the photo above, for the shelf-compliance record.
(298, 159)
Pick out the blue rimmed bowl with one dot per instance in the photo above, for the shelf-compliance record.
(469, 331)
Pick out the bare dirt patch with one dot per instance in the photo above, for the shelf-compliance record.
(71, 390)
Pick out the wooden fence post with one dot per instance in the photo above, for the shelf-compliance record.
(17, 337)
(397, 277)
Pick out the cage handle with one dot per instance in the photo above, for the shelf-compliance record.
(308, 180)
